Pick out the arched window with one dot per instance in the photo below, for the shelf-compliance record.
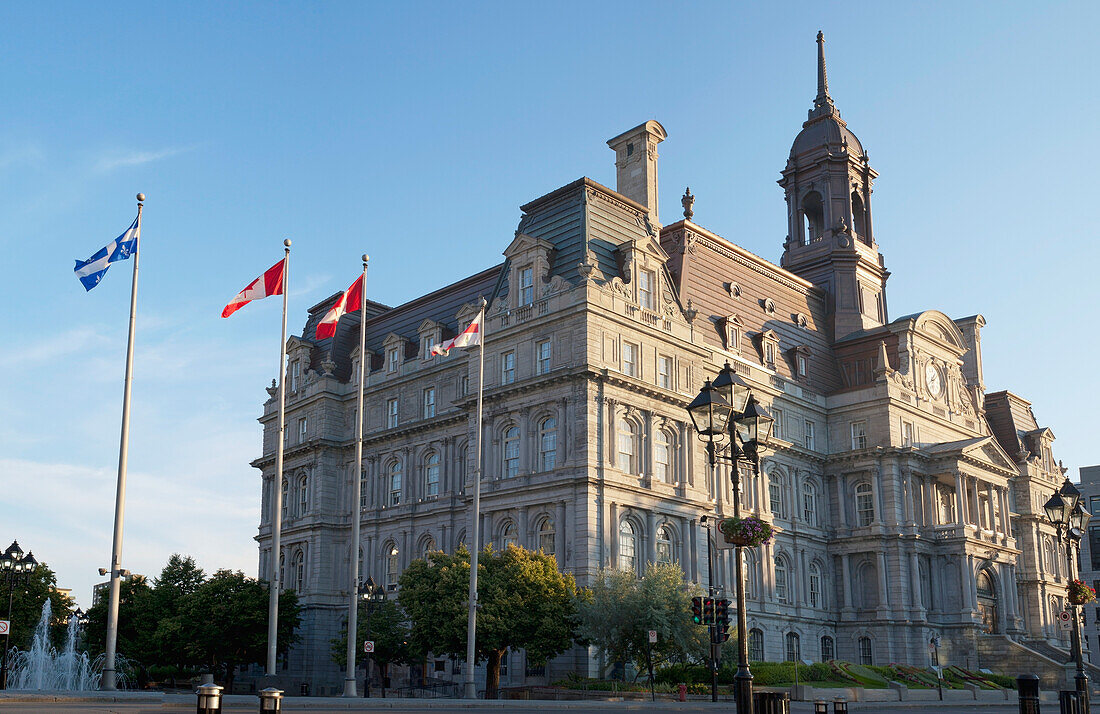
(985, 585)
(286, 497)
(782, 593)
(392, 567)
(299, 572)
(809, 503)
(427, 546)
(508, 535)
(777, 494)
(756, 645)
(794, 647)
(395, 482)
(282, 572)
(548, 444)
(463, 461)
(813, 216)
(303, 496)
(865, 651)
(510, 454)
(867, 585)
(628, 447)
(546, 536)
(816, 599)
(364, 490)
(865, 504)
(431, 475)
(662, 457)
(627, 547)
(664, 545)
(828, 648)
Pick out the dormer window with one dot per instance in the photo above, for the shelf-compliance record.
(731, 333)
(431, 334)
(526, 286)
(769, 352)
(392, 359)
(800, 361)
(769, 345)
(295, 375)
(646, 280)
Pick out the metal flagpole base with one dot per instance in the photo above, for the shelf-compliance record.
(349, 688)
(470, 691)
(742, 687)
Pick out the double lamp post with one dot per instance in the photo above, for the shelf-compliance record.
(735, 428)
(1068, 516)
(15, 567)
(371, 594)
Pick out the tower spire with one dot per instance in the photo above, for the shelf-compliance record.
(823, 97)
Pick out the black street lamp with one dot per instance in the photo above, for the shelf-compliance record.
(17, 567)
(1068, 516)
(727, 410)
(370, 593)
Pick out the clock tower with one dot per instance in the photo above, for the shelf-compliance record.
(830, 238)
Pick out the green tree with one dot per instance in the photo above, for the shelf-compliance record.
(27, 597)
(180, 577)
(389, 630)
(136, 623)
(525, 602)
(225, 619)
(619, 609)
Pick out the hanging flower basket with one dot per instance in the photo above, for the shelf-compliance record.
(1080, 593)
(748, 531)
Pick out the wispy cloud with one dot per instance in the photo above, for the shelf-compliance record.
(115, 159)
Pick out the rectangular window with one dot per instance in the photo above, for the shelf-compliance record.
(1094, 546)
(1094, 505)
(464, 386)
(907, 433)
(508, 367)
(664, 372)
(630, 359)
(391, 414)
(809, 434)
(526, 286)
(777, 427)
(286, 437)
(542, 357)
(295, 375)
(769, 352)
(426, 345)
(429, 402)
(391, 360)
(802, 366)
(303, 427)
(645, 290)
(859, 435)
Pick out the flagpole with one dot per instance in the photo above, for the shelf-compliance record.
(108, 678)
(276, 575)
(471, 622)
(357, 489)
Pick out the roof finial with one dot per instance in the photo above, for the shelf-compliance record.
(823, 97)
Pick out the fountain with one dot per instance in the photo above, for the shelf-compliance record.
(43, 667)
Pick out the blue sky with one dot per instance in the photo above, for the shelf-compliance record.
(413, 131)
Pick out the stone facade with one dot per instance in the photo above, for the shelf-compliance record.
(907, 498)
(1090, 559)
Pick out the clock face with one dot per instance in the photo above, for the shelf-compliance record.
(933, 379)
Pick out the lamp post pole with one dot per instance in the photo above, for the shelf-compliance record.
(371, 594)
(1081, 680)
(1068, 516)
(724, 409)
(17, 567)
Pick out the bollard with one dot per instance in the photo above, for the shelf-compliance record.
(840, 706)
(683, 691)
(1027, 687)
(820, 707)
(271, 700)
(210, 699)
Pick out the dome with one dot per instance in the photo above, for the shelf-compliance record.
(825, 130)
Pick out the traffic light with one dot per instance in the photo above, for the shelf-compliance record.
(721, 620)
(697, 610)
(708, 611)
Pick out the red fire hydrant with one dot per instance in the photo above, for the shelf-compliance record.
(683, 689)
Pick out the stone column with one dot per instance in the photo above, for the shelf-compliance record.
(914, 574)
(559, 534)
(930, 505)
(846, 580)
(645, 453)
(960, 500)
(883, 595)
(976, 505)
(523, 527)
(684, 456)
(650, 537)
(613, 540)
(802, 594)
(612, 429)
(693, 540)
(842, 499)
(966, 579)
(685, 545)
(992, 510)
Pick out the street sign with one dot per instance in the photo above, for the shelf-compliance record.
(5, 625)
(368, 647)
(653, 635)
(1064, 616)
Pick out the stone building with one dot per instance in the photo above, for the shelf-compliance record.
(908, 499)
(1090, 559)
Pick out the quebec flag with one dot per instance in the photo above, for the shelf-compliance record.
(92, 270)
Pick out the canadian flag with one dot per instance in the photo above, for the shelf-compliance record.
(470, 336)
(350, 301)
(268, 284)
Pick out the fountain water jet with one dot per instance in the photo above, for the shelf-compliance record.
(43, 667)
